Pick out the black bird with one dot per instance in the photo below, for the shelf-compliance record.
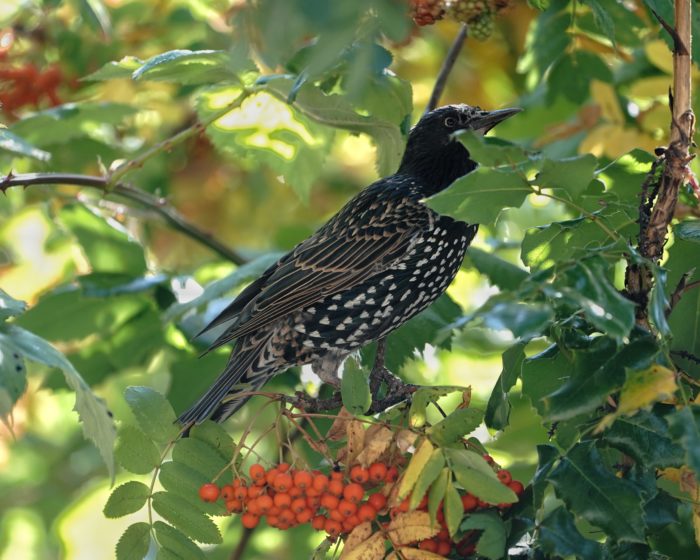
(378, 262)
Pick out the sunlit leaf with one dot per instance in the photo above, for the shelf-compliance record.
(13, 375)
(432, 469)
(136, 452)
(122, 68)
(415, 467)
(134, 543)
(572, 175)
(189, 67)
(454, 509)
(17, 145)
(477, 477)
(498, 408)
(410, 527)
(455, 426)
(125, 499)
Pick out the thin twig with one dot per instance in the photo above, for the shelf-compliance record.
(447, 66)
(159, 204)
(681, 288)
(239, 551)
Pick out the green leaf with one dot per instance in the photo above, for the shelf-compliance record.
(660, 511)
(572, 74)
(436, 494)
(180, 513)
(455, 426)
(427, 476)
(97, 15)
(420, 400)
(454, 509)
(13, 376)
(659, 303)
(594, 493)
(214, 434)
(135, 452)
(106, 244)
(684, 425)
(541, 375)
(134, 543)
(492, 541)
(524, 320)
(547, 455)
(688, 230)
(646, 438)
(596, 372)
(122, 68)
(498, 408)
(602, 18)
(200, 456)
(125, 499)
(571, 175)
(501, 273)
(182, 480)
(188, 67)
(354, 388)
(153, 413)
(491, 152)
(479, 197)
(96, 419)
(176, 542)
(17, 145)
(9, 306)
(560, 537)
(477, 477)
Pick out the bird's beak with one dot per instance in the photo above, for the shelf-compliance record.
(486, 120)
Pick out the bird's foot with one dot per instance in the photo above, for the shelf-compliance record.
(307, 403)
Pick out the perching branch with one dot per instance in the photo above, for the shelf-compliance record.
(660, 190)
(447, 66)
(159, 204)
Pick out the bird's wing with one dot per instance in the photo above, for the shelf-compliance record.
(345, 252)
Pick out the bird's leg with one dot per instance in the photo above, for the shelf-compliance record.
(379, 372)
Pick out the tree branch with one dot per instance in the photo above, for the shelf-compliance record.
(660, 190)
(447, 66)
(158, 204)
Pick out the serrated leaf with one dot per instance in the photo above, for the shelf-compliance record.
(410, 527)
(437, 493)
(477, 477)
(96, 419)
(135, 452)
(180, 479)
(491, 152)
(492, 541)
(192, 522)
(500, 272)
(175, 541)
(13, 375)
(134, 542)
(572, 73)
(122, 68)
(646, 438)
(153, 413)
(422, 398)
(200, 456)
(125, 499)
(376, 443)
(479, 197)
(214, 434)
(415, 466)
(524, 320)
(559, 536)
(406, 553)
(688, 230)
(571, 175)
(454, 509)
(594, 493)
(371, 549)
(455, 426)
(498, 408)
(188, 67)
(645, 387)
(432, 469)
(19, 146)
(684, 425)
(354, 388)
(356, 537)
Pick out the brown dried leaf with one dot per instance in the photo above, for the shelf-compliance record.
(416, 554)
(466, 398)
(356, 441)
(410, 527)
(377, 441)
(339, 427)
(371, 549)
(405, 440)
(358, 535)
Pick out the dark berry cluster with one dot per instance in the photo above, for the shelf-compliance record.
(477, 14)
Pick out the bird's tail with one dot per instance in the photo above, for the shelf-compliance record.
(241, 375)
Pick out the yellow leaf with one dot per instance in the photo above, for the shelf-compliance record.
(410, 527)
(408, 553)
(405, 439)
(604, 94)
(645, 90)
(371, 549)
(415, 467)
(643, 388)
(358, 535)
(356, 440)
(377, 440)
(659, 55)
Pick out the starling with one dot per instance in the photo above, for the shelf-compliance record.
(382, 259)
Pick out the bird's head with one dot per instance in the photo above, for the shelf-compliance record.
(433, 153)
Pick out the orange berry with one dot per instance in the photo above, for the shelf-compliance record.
(335, 515)
(312, 492)
(443, 535)
(482, 504)
(444, 548)
(403, 506)
(392, 474)
(265, 503)
(353, 492)
(329, 501)
(283, 467)
(516, 486)
(350, 523)
(337, 475)
(304, 516)
(429, 545)
(366, 513)
(313, 502)
(238, 482)
(333, 528)
(209, 492)
(377, 501)
(347, 508)
(282, 500)
(234, 506)
(287, 516)
(359, 474)
(273, 520)
(253, 507)
(320, 482)
(488, 458)
(257, 472)
(227, 492)
(271, 475)
(377, 472)
(504, 476)
(303, 479)
(298, 505)
(274, 511)
(469, 502)
(249, 520)
(260, 482)
(318, 522)
(283, 482)
(295, 491)
(241, 492)
(255, 491)
(336, 488)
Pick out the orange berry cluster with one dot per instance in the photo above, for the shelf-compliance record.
(288, 497)
(27, 85)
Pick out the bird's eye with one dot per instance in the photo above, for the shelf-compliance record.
(450, 122)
